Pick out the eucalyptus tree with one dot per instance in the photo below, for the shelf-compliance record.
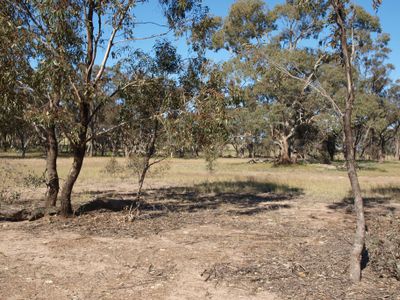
(341, 32)
(247, 130)
(208, 114)
(47, 39)
(255, 34)
(75, 36)
(349, 26)
(341, 26)
(147, 108)
(393, 97)
(246, 111)
(15, 54)
(379, 113)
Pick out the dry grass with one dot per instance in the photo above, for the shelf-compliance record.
(316, 181)
(244, 229)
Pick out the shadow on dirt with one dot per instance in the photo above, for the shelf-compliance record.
(243, 198)
(380, 198)
(391, 191)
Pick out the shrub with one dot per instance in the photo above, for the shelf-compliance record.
(34, 180)
(112, 167)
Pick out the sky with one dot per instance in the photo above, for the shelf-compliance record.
(388, 14)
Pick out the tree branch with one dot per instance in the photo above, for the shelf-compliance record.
(105, 131)
(111, 41)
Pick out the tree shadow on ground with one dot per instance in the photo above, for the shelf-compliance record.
(362, 165)
(242, 198)
(390, 190)
(380, 198)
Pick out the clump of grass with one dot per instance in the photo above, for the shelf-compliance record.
(9, 197)
(11, 179)
(112, 167)
(34, 180)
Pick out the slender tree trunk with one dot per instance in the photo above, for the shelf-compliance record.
(150, 151)
(142, 176)
(250, 148)
(5, 142)
(364, 143)
(79, 150)
(331, 146)
(364, 149)
(90, 149)
(236, 147)
(53, 184)
(241, 152)
(127, 151)
(65, 199)
(359, 238)
(23, 149)
(22, 141)
(114, 150)
(92, 141)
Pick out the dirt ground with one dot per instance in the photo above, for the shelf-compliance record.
(183, 244)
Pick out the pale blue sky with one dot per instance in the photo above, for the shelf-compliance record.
(387, 13)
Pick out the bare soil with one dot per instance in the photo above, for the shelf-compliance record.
(186, 245)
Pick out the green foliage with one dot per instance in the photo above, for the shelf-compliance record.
(247, 20)
(209, 117)
(137, 163)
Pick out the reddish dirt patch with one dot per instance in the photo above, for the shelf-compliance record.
(187, 247)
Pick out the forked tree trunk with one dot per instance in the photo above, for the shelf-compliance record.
(53, 184)
(359, 238)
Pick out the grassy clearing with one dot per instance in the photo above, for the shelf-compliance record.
(239, 225)
(316, 181)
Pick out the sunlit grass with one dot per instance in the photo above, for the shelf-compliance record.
(316, 181)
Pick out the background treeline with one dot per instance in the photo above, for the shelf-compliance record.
(72, 82)
(244, 107)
